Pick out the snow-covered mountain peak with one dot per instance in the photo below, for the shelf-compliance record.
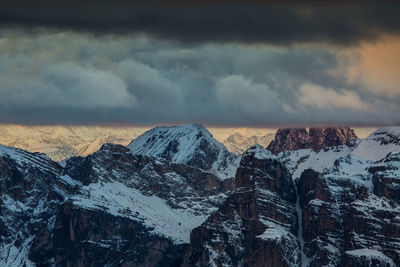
(393, 130)
(379, 144)
(191, 144)
(386, 135)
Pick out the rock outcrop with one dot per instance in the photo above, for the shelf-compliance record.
(256, 225)
(316, 138)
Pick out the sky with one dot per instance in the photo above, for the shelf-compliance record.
(220, 63)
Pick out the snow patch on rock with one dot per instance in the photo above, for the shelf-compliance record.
(368, 253)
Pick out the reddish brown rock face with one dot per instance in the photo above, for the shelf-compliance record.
(289, 139)
(330, 136)
(315, 138)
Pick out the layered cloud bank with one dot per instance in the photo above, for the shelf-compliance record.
(303, 64)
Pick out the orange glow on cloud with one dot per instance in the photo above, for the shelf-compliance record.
(376, 66)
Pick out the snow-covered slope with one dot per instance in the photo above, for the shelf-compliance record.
(299, 160)
(372, 148)
(191, 144)
(39, 160)
(170, 198)
(379, 144)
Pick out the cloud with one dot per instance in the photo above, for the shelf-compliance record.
(374, 65)
(149, 84)
(240, 95)
(326, 98)
(220, 21)
(69, 77)
(66, 85)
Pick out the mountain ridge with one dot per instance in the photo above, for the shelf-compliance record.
(115, 207)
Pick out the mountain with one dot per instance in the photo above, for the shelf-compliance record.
(343, 187)
(190, 144)
(350, 212)
(379, 143)
(257, 223)
(62, 142)
(372, 148)
(315, 138)
(238, 143)
(330, 206)
(345, 213)
(29, 201)
(109, 208)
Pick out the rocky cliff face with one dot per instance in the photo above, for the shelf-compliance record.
(350, 213)
(315, 138)
(82, 237)
(28, 202)
(256, 225)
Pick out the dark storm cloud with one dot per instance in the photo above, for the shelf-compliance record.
(215, 21)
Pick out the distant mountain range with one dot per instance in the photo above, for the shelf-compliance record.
(238, 143)
(175, 196)
(62, 142)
